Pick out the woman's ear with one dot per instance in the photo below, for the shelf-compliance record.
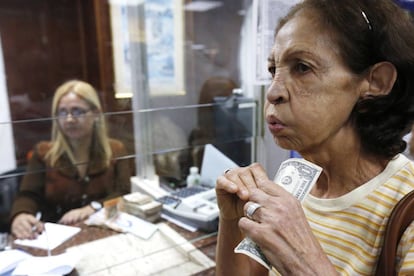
(381, 79)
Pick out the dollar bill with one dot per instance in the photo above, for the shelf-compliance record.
(295, 175)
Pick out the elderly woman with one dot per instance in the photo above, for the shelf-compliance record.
(69, 177)
(342, 95)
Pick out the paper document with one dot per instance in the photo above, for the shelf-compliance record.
(53, 236)
(10, 259)
(123, 222)
(127, 223)
(61, 264)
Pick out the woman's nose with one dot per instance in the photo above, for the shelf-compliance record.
(69, 118)
(277, 92)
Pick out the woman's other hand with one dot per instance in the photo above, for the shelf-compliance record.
(281, 230)
(76, 215)
(26, 226)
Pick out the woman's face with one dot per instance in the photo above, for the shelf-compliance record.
(312, 93)
(76, 119)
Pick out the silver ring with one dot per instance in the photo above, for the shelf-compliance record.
(226, 171)
(251, 209)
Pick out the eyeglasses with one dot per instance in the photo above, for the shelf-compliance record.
(75, 112)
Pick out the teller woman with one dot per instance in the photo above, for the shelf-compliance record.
(69, 177)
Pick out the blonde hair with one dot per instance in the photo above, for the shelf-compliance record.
(60, 145)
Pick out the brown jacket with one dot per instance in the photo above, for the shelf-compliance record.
(54, 191)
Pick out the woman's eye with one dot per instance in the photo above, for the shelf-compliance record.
(302, 68)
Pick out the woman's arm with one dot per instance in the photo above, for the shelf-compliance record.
(31, 190)
(26, 203)
(232, 193)
(228, 262)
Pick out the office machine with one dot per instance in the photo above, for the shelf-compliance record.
(197, 205)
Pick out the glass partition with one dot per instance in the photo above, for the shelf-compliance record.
(173, 154)
(166, 73)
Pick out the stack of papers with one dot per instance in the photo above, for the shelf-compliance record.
(140, 205)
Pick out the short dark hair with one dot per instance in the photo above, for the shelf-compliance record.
(367, 32)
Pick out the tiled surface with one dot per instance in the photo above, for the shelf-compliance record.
(127, 255)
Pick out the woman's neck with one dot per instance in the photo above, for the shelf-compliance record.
(81, 151)
(344, 168)
(81, 148)
(342, 175)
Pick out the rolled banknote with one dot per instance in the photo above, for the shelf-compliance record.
(297, 176)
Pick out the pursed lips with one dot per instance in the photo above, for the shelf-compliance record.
(274, 124)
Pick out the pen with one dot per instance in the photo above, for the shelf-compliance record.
(34, 228)
(38, 217)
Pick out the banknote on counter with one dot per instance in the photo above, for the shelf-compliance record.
(297, 176)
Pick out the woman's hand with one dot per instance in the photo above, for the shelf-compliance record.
(26, 226)
(232, 190)
(77, 215)
(280, 228)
